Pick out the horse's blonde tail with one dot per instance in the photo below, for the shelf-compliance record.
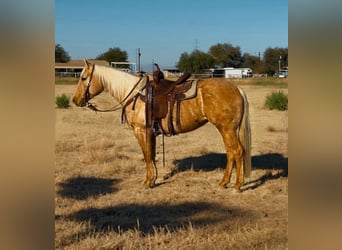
(245, 135)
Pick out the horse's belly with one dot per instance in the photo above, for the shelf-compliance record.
(190, 117)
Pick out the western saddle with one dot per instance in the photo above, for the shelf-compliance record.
(161, 96)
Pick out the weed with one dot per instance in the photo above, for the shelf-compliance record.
(276, 100)
(62, 101)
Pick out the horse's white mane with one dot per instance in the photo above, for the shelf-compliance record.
(118, 83)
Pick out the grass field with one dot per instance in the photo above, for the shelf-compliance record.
(66, 81)
(100, 202)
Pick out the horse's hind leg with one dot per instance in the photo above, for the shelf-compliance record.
(147, 142)
(234, 154)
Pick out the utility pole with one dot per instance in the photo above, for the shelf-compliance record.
(139, 55)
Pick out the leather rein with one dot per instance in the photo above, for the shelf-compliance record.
(114, 108)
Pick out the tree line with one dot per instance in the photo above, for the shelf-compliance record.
(219, 55)
(224, 55)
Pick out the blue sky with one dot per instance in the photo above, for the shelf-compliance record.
(163, 30)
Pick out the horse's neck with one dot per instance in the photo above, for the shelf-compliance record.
(117, 83)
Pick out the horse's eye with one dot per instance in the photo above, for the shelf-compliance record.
(84, 78)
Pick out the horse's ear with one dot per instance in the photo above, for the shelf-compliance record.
(87, 63)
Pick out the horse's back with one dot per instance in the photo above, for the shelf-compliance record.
(222, 87)
(222, 101)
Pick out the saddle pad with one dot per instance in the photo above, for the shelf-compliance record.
(192, 92)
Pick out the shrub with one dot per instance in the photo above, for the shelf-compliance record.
(62, 101)
(276, 100)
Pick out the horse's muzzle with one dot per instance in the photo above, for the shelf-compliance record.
(79, 103)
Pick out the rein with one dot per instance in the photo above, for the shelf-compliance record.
(86, 92)
(114, 108)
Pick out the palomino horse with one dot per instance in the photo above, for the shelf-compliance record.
(218, 101)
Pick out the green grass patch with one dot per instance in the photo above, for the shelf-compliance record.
(271, 82)
(62, 101)
(276, 100)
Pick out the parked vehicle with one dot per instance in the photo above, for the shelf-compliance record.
(232, 72)
(281, 74)
(238, 72)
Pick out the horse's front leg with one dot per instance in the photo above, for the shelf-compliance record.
(147, 142)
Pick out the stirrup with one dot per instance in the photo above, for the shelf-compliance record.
(156, 129)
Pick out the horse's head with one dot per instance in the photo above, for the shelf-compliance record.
(88, 85)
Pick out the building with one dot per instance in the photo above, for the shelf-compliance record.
(169, 73)
(73, 68)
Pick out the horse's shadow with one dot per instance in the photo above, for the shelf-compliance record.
(207, 162)
(212, 161)
(147, 218)
(81, 188)
(268, 162)
(142, 218)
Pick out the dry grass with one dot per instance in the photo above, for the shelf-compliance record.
(100, 202)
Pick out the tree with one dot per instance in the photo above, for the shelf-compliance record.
(114, 55)
(226, 55)
(253, 62)
(184, 63)
(272, 58)
(195, 62)
(60, 54)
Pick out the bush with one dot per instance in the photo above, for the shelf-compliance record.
(62, 101)
(276, 100)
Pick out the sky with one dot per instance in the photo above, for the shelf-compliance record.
(163, 30)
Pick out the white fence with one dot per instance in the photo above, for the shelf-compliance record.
(68, 74)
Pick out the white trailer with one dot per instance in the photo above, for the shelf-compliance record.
(237, 72)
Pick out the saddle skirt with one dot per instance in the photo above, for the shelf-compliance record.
(164, 98)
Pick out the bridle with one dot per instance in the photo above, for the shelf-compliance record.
(89, 105)
(86, 94)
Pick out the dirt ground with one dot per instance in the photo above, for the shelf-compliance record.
(100, 202)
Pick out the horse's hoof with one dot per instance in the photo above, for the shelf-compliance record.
(223, 184)
(148, 184)
(235, 191)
